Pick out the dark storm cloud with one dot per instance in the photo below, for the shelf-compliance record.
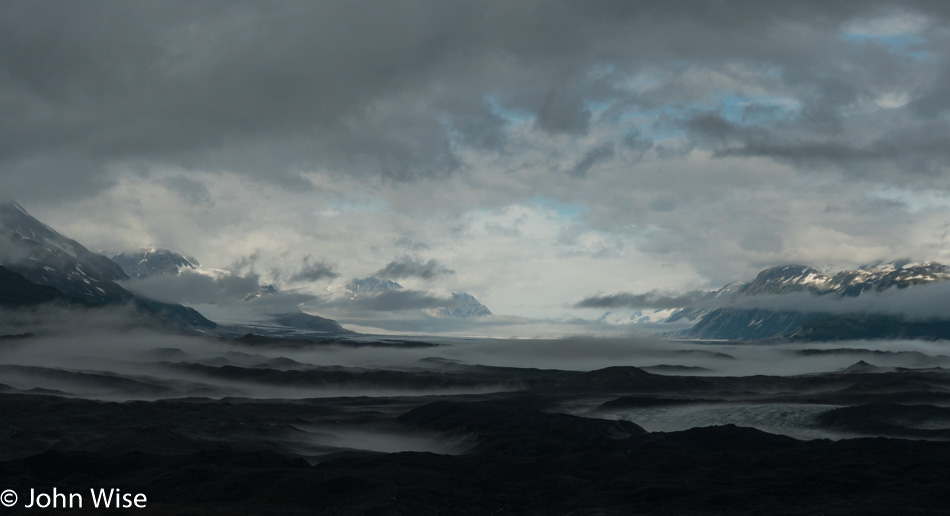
(394, 88)
(314, 271)
(922, 152)
(413, 268)
(924, 148)
(193, 191)
(591, 158)
(634, 141)
(654, 299)
(396, 300)
(712, 127)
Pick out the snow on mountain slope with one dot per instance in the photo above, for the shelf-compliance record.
(149, 261)
(45, 257)
(461, 305)
(724, 322)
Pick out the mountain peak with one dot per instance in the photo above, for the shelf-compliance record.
(755, 322)
(14, 219)
(860, 367)
(359, 285)
(462, 305)
(39, 265)
(10, 205)
(43, 256)
(149, 261)
(784, 279)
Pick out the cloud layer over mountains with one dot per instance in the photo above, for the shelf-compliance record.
(531, 153)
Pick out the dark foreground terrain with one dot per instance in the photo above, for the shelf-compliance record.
(445, 437)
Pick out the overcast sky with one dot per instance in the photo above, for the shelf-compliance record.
(529, 153)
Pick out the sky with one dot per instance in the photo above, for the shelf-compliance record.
(531, 154)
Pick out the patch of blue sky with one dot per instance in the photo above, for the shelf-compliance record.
(902, 44)
(655, 124)
(564, 210)
(751, 110)
(914, 200)
(512, 115)
(664, 122)
(597, 106)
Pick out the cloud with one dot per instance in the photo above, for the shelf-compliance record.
(191, 287)
(413, 268)
(195, 85)
(397, 300)
(314, 271)
(920, 302)
(699, 142)
(653, 299)
(245, 263)
(190, 189)
(592, 158)
(12, 249)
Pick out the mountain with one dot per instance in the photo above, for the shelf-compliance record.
(462, 305)
(149, 261)
(313, 323)
(17, 291)
(868, 327)
(357, 286)
(42, 259)
(727, 322)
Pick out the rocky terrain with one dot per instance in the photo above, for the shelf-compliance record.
(248, 427)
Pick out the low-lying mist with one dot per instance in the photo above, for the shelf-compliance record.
(103, 354)
(139, 364)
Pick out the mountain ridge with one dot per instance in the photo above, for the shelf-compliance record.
(750, 323)
(46, 259)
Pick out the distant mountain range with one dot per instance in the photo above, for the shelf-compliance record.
(40, 265)
(460, 305)
(729, 319)
(147, 262)
(150, 262)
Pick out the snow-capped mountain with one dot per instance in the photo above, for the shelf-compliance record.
(154, 263)
(357, 286)
(644, 316)
(755, 323)
(44, 258)
(17, 291)
(149, 261)
(462, 305)
(878, 277)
